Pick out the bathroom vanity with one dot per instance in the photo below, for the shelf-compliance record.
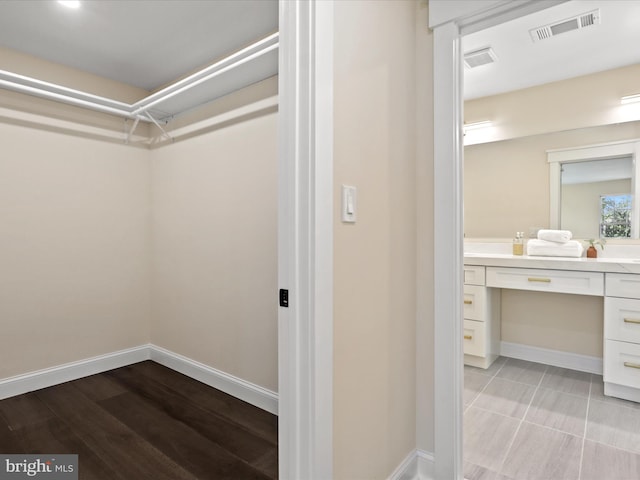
(615, 279)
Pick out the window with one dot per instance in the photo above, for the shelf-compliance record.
(615, 215)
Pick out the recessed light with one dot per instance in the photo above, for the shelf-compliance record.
(70, 3)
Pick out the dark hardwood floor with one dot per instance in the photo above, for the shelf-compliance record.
(142, 422)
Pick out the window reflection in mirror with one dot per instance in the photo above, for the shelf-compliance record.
(596, 197)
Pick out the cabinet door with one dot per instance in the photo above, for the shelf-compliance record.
(622, 319)
(473, 275)
(474, 302)
(623, 285)
(475, 338)
(543, 280)
(622, 363)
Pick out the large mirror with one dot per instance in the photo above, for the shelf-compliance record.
(596, 197)
(511, 184)
(514, 185)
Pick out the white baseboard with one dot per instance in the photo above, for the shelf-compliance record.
(234, 386)
(48, 377)
(247, 391)
(418, 465)
(574, 361)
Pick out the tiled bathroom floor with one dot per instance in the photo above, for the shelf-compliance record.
(525, 421)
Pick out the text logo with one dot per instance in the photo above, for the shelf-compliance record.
(49, 467)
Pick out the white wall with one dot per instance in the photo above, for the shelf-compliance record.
(74, 248)
(214, 249)
(375, 258)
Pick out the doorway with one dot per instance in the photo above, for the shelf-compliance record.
(449, 23)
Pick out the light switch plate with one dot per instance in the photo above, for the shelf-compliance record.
(349, 204)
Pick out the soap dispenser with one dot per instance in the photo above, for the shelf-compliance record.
(518, 247)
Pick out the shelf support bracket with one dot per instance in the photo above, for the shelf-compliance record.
(155, 122)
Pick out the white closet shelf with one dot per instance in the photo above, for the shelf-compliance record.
(242, 68)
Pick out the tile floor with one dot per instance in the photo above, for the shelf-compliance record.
(526, 421)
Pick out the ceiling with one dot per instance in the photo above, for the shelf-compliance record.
(523, 63)
(146, 43)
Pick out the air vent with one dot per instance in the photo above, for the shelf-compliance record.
(575, 23)
(479, 57)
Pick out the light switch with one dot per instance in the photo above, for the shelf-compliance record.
(348, 204)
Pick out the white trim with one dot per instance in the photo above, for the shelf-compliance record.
(556, 358)
(448, 244)
(234, 386)
(447, 180)
(305, 240)
(592, 152)
(67, 372)
(426, 465)
(408, 468)
(621, 391)
(418, 465)
(237, 387)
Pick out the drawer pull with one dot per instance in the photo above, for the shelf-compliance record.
(470, 337)
(632, 320)
(632, 365)
(470, 302)
(537, 279)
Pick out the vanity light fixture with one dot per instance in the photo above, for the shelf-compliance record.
(477, 125)
(630, 99)
(70, 3)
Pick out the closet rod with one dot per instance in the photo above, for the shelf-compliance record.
(52, 87)
(137, 110)
(58, 97)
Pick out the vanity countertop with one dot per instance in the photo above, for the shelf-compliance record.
(611, 265)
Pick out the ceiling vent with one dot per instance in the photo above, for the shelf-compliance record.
(574, 23)
(479, 57)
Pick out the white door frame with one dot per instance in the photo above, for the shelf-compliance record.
(305, 240)
(450, 20)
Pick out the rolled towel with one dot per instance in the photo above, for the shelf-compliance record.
(558, 236)
(543, 248)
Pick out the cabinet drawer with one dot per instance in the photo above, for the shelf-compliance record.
(622, 363)
(623, 285)
(558, 281)
(475, 298)
(475, 335)
(622, 319)
(473, 275)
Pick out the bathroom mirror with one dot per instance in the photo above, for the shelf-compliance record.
(593, 190)
(511, 185)
(596, 197)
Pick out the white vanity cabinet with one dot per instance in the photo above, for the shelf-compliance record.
(615, 279)
(621, 365)
(481, 325)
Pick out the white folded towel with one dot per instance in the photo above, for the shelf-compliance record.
(543, 248)
(558, 236)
